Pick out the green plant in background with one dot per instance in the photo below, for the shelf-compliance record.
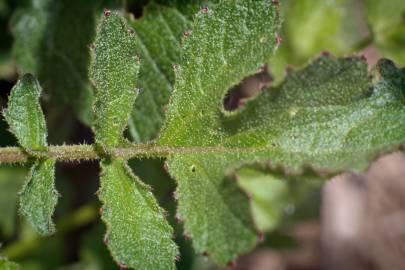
(164, 78)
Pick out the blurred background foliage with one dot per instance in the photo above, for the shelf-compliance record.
(50, 39)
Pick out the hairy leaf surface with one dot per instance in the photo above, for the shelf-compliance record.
(38, 197)
(24, 115)
(329, 115)
(226, 44)
(138, 234)
(158, 38)
(114, 71)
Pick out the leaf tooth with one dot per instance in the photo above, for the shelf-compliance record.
(204, 10)
(186, 33)
(107, 12)
(123, 266)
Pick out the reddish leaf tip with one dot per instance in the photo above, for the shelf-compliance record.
(107, 12)
(205, 10)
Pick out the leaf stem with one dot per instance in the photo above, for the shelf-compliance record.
(88, 152)
(80, 152)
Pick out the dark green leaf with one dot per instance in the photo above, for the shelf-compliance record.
(138, 234)
(25, 117)
(114, 70)
(158, 38)
(38, 197)
(226, 44)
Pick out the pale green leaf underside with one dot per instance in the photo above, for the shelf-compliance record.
(24, 115)
(114, 70)
(138, 234)
(158, 40)
(226, 43)
(5, 264)
(38, 197)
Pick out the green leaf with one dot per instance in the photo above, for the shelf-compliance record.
(226, 44)
(38, 197)
(215, 212)
(25, 117)
(49, 45)
(158, 38)
(138, 234)
(329, 115)
(5, 264)
(114, 69)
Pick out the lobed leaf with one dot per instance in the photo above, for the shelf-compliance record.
(329, 115)
(226, 44)
(114, 69)
(38, 197)
(25, 117)
(215, 212)
(158, 38)
(138, 234)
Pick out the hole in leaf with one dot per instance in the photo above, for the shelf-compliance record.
(249, 87)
